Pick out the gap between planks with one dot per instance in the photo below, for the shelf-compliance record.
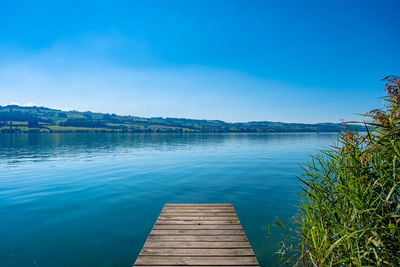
(197, 235)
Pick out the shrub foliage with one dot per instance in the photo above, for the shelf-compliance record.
(350, 202)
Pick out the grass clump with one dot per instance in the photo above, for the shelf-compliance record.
(349, 213)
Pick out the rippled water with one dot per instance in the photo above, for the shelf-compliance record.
(92, 199)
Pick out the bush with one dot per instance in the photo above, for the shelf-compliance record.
(350, 202)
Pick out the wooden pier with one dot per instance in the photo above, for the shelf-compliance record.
(197, 235)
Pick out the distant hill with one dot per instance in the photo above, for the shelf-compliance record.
(15, 118)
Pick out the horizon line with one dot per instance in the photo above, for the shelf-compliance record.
(163, 117)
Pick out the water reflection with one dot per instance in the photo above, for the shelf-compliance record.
(91, 199)
(16, 148)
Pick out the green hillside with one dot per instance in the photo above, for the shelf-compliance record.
(15, 118)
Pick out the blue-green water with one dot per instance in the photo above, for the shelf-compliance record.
(92, 199)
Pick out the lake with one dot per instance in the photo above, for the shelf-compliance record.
(92, 199)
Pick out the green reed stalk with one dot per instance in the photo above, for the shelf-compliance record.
(350, 202)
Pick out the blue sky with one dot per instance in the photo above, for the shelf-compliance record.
(292, 61)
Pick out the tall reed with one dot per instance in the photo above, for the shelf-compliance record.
(349, 214)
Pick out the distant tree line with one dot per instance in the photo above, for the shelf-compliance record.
(14, 118)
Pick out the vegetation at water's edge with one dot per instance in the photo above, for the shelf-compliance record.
(40, 119)
(350, 204)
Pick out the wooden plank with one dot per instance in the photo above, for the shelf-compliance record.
(199, 205)
(198, 208)
(197, 235)
(198, 214)
(197, 227)
(197, 232)
(198, 222)
(193, 210)
(143, 260)
(173, 244)
(197, 238)
(184, 252)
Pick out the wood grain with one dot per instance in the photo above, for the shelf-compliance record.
(197, 235)
(191, 244)
(187, 261)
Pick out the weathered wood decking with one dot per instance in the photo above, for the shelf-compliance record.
(197, 235)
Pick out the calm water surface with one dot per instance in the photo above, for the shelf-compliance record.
(92, 199)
